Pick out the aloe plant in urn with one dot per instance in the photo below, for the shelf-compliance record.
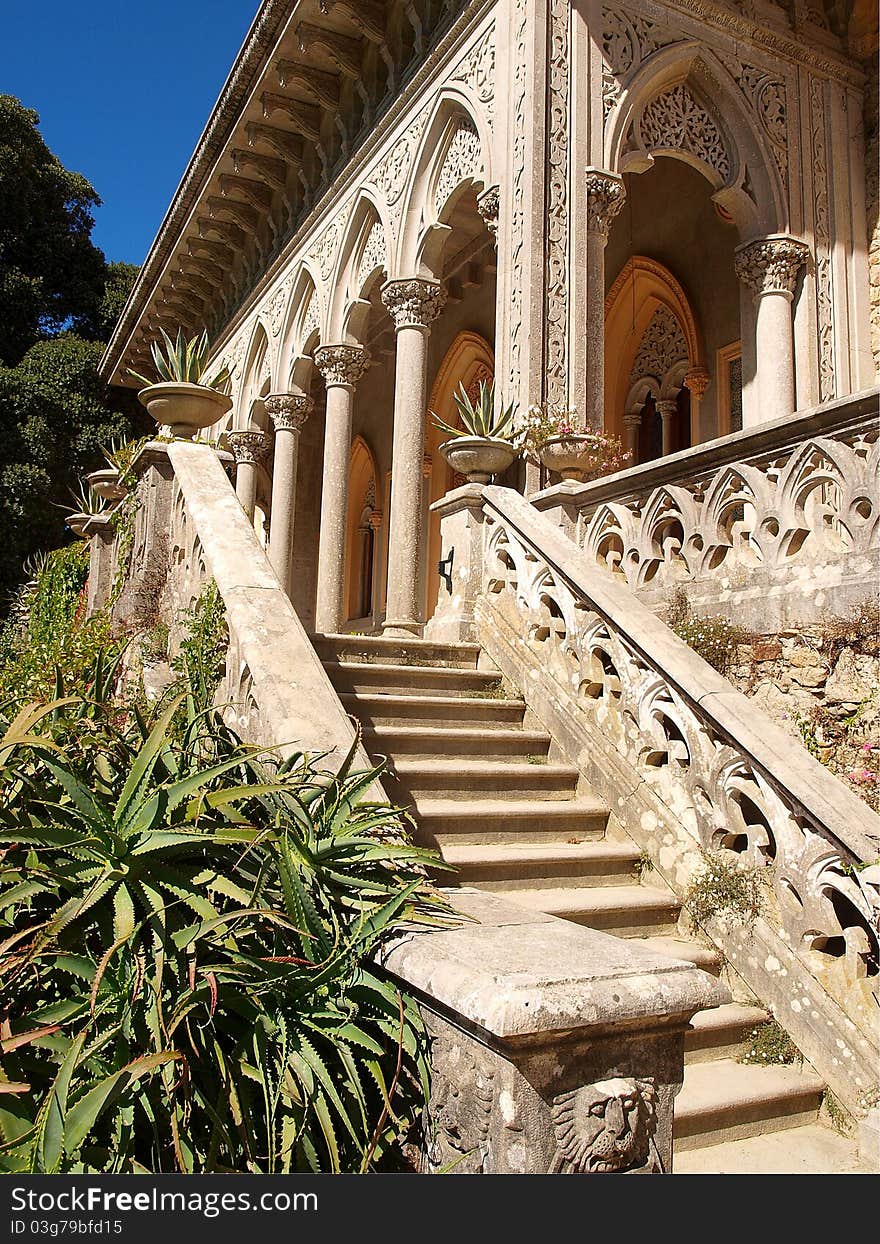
(483, 446)
(181, 401)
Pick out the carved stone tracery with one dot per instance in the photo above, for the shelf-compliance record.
(663, 347)
(462, 160)
(676, 121)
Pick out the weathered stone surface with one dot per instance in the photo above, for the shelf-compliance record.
(555, 1048)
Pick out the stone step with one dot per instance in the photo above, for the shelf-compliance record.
(536, 866)
(722, 1032)
(724, 1100)
(704, 957)
(456, 741)
(426, 680)
(481, 779)
(385, 649)
(624, 910)
(463, 822)
(809, 1150)
(377, 709)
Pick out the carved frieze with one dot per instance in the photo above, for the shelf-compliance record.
(477, 70)
(556, 262)
(277, 305)
(822, 237)
(463, 159)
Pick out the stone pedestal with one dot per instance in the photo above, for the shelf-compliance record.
(288, 412)
(102, 538)
(461, 565)
(342, 366)
(555, 1049)
(413, 305)
(769, 267)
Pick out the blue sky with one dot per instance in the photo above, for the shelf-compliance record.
(123, 90)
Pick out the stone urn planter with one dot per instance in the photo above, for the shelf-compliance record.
(184, 408)
(573, 456)
(78, 524)
(478, 457)
(107, 483)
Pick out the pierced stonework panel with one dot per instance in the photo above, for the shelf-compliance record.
(662, 348)
(676, 121)
(463, 160)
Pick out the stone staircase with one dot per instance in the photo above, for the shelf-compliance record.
(488, 790)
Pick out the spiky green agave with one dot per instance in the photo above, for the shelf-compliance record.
(480, 418)
(182, 361)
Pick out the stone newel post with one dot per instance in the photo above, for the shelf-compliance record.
(769, 267)
(250, 450)
(342, 366)
(288, 412)
(413, 305)
(605, 197)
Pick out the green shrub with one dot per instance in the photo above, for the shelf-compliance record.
(188, 932)
(726, 890)
(713, 638)
(201, 657)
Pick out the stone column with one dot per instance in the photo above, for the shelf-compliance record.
(605, 197)
(342, 367)
(769, 268)
(667, 411)
(697, 382)
(413, 304)
(250, 450)
(633, 423)
(288, 412)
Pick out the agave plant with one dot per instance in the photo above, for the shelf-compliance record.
(182, 361)
(87, 501)
(480, 418)
(186, 979)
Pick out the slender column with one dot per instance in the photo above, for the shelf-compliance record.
(288, 412)
(667, 411)
(769, 268)
(605, 197)
(250, 450)
(413, 305)
(342, 367)
(697, 382)
(633, 423)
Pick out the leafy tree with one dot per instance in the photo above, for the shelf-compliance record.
(59, 299)
(52, 275)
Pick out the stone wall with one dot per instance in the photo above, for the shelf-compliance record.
(826, 696)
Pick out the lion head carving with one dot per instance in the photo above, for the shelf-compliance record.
(604, 1126)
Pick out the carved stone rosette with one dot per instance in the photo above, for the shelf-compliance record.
(342, 364)
(413, 302)
(771, 265)
(487, 205)
(288, 411)
(251, 447)
(606, 194)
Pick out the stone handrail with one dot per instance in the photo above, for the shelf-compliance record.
(763, 519)
(687, 765)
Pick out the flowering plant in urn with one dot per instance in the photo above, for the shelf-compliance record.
(552, 435)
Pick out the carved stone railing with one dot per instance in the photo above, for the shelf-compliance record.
(759, 525)
(686, 764)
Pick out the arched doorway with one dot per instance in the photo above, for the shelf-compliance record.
(362, 525)
(655, 371)
(469, 360)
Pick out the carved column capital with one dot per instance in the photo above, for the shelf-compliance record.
(666, 408)
(606, 194)
(288, 411)
(487, 205)
(251, 447)
(413, 302)
(697, 382)
(771, 265)
(342, 364)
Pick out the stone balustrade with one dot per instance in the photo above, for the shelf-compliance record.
(762, 525)
(686, 764)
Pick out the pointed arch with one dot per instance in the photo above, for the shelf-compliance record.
(707, 124)
(363, 263)
(256, 381)
(454, 154)
(302, 323)
(362, 525)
